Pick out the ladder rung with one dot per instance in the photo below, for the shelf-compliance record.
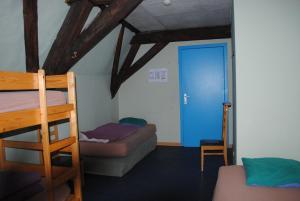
(60, 144)
(65, 176)
(27, 167)
(23, 145)
(59, 112)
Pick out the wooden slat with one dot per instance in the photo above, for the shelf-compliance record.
(23, 145)
(56, 81)
(26, 167)
(58, 116)
(19, 119)
(213, 147)
(60, 144)
(66, 150)
(213, 154)
(63, 177)
(25, 118)
(60, 109)
(18, 81)
(60, 112)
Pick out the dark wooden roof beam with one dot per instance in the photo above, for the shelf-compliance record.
(70, 30)
(102, 25)
(101, 2)
(115, 69)
(30, 15)
(204, 33)
(128, 69)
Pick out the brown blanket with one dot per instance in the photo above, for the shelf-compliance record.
(118, 148)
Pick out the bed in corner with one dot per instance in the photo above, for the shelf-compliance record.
(120, 155)
(231, 186)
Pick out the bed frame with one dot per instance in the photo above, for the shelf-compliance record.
(10, 121)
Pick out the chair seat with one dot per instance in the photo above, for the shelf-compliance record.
(211, 142)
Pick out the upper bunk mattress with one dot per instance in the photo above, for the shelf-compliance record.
(118, 148)
(231, 186)
(14, 101)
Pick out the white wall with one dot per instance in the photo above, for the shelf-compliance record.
(95, 106)
(159, 102)
(267, 49)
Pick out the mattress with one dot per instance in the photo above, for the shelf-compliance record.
(231, 187)
(119, 148)
(119, 166)
(13, 101)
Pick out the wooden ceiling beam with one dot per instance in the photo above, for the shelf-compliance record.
(69, 31)
(204, 33)
(102, 25)
(130, 26)
(114, 87)
(30, 15)
(101, 2)
(115, 68)
(128, 72)
(128, 69)
(123, 21)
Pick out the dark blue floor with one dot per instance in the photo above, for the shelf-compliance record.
(167, 174)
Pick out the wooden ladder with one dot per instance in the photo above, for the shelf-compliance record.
(70, 143)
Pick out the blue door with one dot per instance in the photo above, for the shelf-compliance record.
(203, 89)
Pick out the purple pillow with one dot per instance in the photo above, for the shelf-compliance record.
(112, 131)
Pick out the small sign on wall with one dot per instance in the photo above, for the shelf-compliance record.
(158, 75)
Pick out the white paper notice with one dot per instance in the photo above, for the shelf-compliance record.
(158, 75)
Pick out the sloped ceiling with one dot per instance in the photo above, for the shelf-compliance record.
(153, 15)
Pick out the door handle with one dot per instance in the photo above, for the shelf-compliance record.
(185, 99)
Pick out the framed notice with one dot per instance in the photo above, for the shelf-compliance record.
(158, 75)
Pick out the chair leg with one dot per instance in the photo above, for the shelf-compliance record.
(225, 157)
(202, 159)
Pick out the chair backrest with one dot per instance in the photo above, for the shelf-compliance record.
(226, 107)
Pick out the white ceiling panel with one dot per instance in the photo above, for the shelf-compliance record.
(142, 20)
(154, 15)
(157, 8)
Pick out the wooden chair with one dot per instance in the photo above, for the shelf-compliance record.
(216, 147)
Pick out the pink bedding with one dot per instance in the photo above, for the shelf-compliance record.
(13, 101)
(231, 187)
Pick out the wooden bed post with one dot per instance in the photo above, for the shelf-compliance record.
(2, 154)
(45, 134)
(74, 133)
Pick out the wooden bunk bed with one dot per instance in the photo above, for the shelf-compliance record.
(42, 116)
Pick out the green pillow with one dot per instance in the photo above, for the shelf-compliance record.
(133, 121)
(272, 172)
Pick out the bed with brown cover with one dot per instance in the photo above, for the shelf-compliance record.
(116, 158)
(231, 186)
